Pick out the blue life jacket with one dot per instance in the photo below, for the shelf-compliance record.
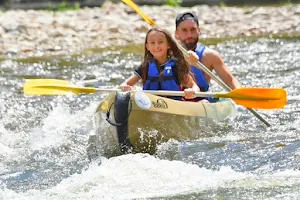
(198, 73)
(199, 76)
(166, 82)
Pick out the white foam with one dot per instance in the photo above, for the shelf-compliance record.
(137, 176)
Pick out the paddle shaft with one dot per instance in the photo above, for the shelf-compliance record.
(167, 93)
(181, 93)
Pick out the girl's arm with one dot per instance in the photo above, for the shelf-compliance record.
(131, 81)
(192, 88)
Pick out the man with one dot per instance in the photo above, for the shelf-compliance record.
(187, 32)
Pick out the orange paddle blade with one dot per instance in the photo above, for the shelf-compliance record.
(259, 93)
(263, 98)
(262, 104)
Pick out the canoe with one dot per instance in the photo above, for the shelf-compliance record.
(138, 121)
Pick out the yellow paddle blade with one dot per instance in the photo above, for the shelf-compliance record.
(38, 82)
(263, 98)
(53, 87)
(132, 5)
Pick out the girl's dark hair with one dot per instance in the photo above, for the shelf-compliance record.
(174, 51)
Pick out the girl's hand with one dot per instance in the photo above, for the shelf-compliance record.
(125, 88)
(189, 93)
(204, 101)
(128, 83)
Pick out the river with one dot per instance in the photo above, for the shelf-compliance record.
(43, 139)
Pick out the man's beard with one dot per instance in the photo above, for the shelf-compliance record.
(190, 45)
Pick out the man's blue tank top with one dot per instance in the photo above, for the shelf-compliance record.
(198, 73)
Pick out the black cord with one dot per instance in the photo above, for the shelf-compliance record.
(115, 123)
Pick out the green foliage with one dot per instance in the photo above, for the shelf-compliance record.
(173, 3)
(223, 4)
(65, 5)
(77, 6)
(286, 2)
(62, 5)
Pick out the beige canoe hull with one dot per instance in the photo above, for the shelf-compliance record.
(153, 119)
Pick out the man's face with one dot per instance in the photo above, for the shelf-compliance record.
(188, 33)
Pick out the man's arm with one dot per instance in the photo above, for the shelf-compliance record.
(213, 61)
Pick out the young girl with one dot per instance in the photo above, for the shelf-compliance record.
(164, 66)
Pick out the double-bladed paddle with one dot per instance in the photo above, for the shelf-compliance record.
(131, 4)
(263, 98)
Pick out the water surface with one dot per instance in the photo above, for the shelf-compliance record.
(43, 139)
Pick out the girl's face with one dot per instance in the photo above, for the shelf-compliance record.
(158, 45)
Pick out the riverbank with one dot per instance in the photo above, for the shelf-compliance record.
(34, 33)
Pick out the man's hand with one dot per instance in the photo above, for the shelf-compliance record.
(192, 58)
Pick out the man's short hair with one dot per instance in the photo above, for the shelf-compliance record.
(186, 16)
